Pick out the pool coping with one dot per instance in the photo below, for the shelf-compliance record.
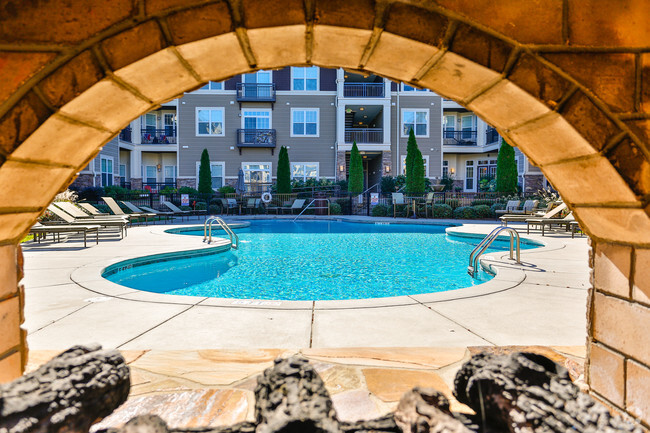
(508, 276)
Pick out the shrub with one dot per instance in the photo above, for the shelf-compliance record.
(442, 211)
(400, 182)
(283, 179)
(448, 182)
(484, 201)
(343, 183)
(227, 189)
(168, 190)
(453, 202)
(483, 211)
(213, 210)
(187, 190)
(507, 176)
(380, 210)
(114, 191)
(335, 209)
(93, 193)
(465, 213)
(497, 206)
(201, 206)
(387, 184)
(67, 195)
(344, 203)
(205, 174)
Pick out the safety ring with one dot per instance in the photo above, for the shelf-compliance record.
(266, 197)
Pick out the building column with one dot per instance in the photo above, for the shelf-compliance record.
(340, 162)
(387, 161)
(135, 166)
(13, 338)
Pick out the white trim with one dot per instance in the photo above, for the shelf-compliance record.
(198, 165)
(414, 92)
(415, 110)
(269, 163)
(196, 122)
(210, 91)
(317, 135)
(317, 164)
(306, 93)
(402, 165)
(305, 78)
(267, 110)
(112, 172)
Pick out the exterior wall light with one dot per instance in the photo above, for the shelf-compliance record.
(341, 168)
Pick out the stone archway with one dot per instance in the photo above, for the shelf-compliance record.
(567, 83)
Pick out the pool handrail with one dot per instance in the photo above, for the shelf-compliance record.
(312, 202)
(234, 239)
(487, 241)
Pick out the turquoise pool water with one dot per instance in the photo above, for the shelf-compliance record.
(314, 260)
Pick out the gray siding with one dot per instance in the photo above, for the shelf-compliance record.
(112, 150)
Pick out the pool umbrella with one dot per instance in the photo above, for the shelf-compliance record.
(241, 187)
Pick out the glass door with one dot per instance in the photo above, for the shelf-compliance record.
(467, 126)
(257, 91)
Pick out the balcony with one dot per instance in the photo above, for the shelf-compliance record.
(256, 138)
(158, 136)
(255, 92)
(465, 137)
(364, 135)
(491, 136)
(363, 90)
(125, 134)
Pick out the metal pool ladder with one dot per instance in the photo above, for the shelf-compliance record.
(207, 231)
(487, 241)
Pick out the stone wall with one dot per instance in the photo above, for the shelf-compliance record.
(533, 183)
(136, 183)
(186, 182)
(387, 161)
(83, 181)
(340, 161)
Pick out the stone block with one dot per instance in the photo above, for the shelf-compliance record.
(389, 384)
(349, 43)
(645, 78)
(458, 78)
(60, 21)
(480, 47)
(160, 7)
(13, 227)
(358, 14)
(71, 79)
(10, 367)
(171, 77)
(133, 44)
(633, 165)
(263, 13)
(637, 383)
(506, 105)
(607, 374)
(622, 325)
(423, 25)
(589, 120)
(9, 324)
(641, 279)
(199, 23)
(8, 271)
(74, 143)
(550, 139)
(591, 24)
(576, 178)
(21, 120)
(392, 49)
(107, 105)
(276, 47)
(37, 186)
(538, 80)
(612, 266)
(614, 83)
(19, 67)
(517, 19)
(200, 55)
(626, 225)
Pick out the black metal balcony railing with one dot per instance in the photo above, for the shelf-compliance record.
(125, 184)
(364, 135)
(159, 136)
(465, 137)
(125, 134)
(492, 136)
(363, 90)
(256, 138)
(258, 92)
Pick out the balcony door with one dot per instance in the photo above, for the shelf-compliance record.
(467, 126)
(170, 124)
(259, 77)
(253, 121)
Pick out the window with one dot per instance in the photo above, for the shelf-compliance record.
(150, 123)
(304, 170)
(150, 176)
(407, 88)
(304, 78)
(209, 121)
(449, 125)
(469, 175)
(259, 77)
(467, 126)
(256, 172)
(213, 85)
(170, 174)
(170, 124)
(107, 170)
(425, 159)
(304, 122)
(417, 120)
(123, 171)
(256, 119)
(216, 171)
(445, 168)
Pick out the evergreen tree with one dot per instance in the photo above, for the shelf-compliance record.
(355, 183)
(410, 158)
(506, 169)
(205, 174)
(283, 185)
(417, 185)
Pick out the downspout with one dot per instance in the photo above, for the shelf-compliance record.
(397, 131)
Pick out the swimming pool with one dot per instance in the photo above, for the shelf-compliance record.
(313, 260)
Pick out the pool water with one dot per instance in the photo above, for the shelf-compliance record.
(316, 260)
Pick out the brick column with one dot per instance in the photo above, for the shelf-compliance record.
(13, 339)
(619, 320)
(387, 161)
(340, 161)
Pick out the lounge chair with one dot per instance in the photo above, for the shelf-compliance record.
(550, 222)
(167, 215)
(253, 204)
(133, 208)
(510, 209)
(39, 230)
(92, 210)
(109, 222)
(179, 211)
(296, 205)
(505, 219)
(426, 204)
(398, 200)
(527, 208)
(117, 210)
(79, 214)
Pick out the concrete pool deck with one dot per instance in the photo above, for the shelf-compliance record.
(542, 302)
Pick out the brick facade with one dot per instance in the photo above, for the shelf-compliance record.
(83, 181)
(181, 182)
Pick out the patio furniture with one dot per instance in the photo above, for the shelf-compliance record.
(92, 209)
(511, 207)
(179, 211)
(398, 200)
(78, 213)
(253, 204)
(425, 204)
(39, 230)
(114, 222)
(168, 215)
(297, 204)
(117, 210)
(505, 219)
(550, 222)
(133, 208)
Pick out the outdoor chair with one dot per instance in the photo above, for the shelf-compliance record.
(297, 204)
(511, 208)
(133, 208)
(179, 211)
(253, 204)
(398, 200)
(92, 210)
(426, 204)
(527, 208)
(80, 214)
(168, 215)
(567, 221)
(117, 210)
(505, 219)
(40, 231)
(70, 220)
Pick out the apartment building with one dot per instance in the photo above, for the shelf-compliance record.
(317, 113)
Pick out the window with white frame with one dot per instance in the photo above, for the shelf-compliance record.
(217, 170)
(213, 85)
(123, 171)
(469, 175)
(150, 174)
(467, 126)
(417, 120)
(209, 121)
(304, 78)
(445, 168)
(170, 174)
(106, 163)
(304, 122)
(407, 88)
(449, 125)
(304, 170)
(256, 172)
(425, 159)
